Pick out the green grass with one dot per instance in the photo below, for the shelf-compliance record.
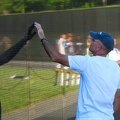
(18, 93)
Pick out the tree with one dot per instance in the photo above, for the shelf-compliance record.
(23, 6)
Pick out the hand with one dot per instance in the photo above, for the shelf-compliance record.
(29, 35)
(39, 30)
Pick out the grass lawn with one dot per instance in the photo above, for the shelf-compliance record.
(17, 93)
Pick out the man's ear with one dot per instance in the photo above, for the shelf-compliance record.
(99, 47)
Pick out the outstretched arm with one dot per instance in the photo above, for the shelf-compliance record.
(11, 52)
(51, 51)
(54, 54)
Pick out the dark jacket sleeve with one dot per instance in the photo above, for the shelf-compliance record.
(11, 52)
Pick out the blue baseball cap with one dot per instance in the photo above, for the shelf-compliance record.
(105, 38)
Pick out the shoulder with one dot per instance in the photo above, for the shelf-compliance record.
(79, 58)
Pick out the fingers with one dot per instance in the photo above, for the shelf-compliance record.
(39, 30)
(37, 25)
(31, 27)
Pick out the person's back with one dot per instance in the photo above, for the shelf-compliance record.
(61, 44)
(69, 46)
(96, 94)
(114, 55)
(78, 46)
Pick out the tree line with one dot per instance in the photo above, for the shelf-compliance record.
(25, 6)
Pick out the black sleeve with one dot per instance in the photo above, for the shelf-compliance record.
(11, 52)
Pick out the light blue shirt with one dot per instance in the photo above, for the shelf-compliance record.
(100, 78)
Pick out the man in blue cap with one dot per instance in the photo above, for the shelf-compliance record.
(100, 76)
